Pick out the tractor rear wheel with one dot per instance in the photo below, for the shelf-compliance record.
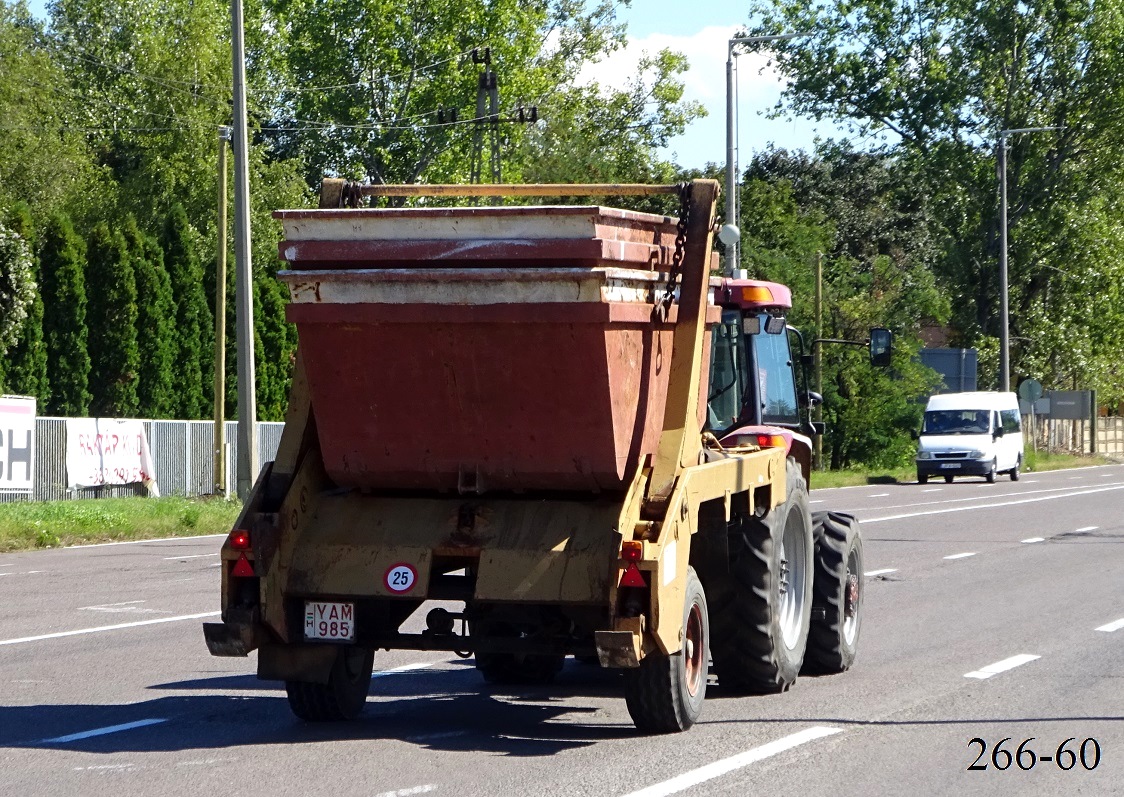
(837, 594)
(665, 693)
(764, 603)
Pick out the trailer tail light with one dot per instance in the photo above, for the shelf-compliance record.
(772, 441)
(243, 568)
(633, 577)
(632, 550)
(239, 540)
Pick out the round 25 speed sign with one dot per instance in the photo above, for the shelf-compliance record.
(400, 578)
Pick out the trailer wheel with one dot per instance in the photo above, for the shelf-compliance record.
(665, 693)
(345, 694)
(764, 604)
(837, 594)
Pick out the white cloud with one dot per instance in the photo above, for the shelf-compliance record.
(758, 88)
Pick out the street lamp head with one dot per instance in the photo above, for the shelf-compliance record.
(729, 234)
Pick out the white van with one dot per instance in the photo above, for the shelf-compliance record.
(977, 434)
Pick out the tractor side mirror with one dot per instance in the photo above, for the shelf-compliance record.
(881, 347)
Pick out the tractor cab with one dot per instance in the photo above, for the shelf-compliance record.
(753, 373)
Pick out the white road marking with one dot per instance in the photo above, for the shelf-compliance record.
(816, 502)
(60, 634)
(405, 668)
(128, 726)
(878, 495)
(1034, 539)
(1087, 528)
(932, 490)
(1115, 625)
(961, 555)
(982, 496)
(107, 768)
(193, 556)
(410, 791)
(1035, 481)
(143, 542)
(1001, 666)
(1073, 477)
(727, 765)
(993, 505)
(870, 573)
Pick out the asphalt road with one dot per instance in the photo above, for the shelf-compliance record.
(992, 612)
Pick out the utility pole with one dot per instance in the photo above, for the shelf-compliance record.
(487, 112)
(732, 251)
(817, 356)
(244, 284)
(219, 487)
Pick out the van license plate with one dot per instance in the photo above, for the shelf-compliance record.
(334, 621)
(950, 465)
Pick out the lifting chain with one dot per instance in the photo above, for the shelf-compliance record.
(676, 270)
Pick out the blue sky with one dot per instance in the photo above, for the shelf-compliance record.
(700, 30)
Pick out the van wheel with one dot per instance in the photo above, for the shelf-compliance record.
(991, 474)
(1015, 470)
(922, 478)
(948, 479)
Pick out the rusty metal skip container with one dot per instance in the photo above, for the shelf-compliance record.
(504, 406)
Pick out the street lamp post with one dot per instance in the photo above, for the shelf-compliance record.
(731, 167)
(1004, 311)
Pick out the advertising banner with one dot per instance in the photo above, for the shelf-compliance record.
(102, 451)
(17, 443)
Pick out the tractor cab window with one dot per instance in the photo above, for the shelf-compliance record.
(728, 374)
(776, 377)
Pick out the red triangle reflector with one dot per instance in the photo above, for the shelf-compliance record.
(633, 578)
(243, 568)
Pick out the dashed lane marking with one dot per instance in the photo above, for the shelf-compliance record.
(99, 629)
(878, 495)
(428, 787)
(1115, 625)
(1001, 666)
(961, 555)
(128, 726)
(735, 762)
(1087, 528)
(193, 556)
(881, 572)
(1034, 539)
(405, 668)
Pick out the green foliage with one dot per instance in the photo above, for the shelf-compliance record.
(25, 525)
(24, 371)
(17, 285)
(63, 261)
(878, 245)
(194, 353)
(939, 82)
(111, 291)
(156, 316)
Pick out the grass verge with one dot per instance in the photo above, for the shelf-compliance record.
(28, 525)
(1032, 461)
